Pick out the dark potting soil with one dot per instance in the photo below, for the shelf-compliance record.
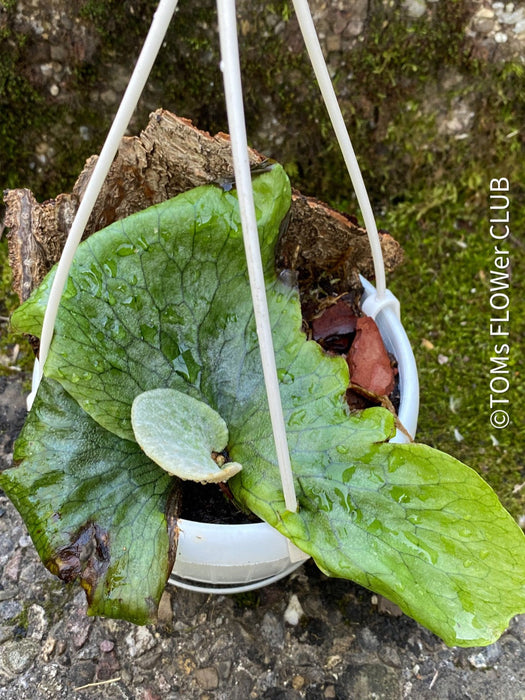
(212, 503)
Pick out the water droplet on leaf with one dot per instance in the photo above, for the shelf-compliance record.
(148, 333)
(110, 267)
(284, 376)
(297, 418)
(125, 249)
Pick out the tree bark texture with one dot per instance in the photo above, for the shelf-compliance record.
(169, 157)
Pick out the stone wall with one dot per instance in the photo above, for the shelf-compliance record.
(65, 66)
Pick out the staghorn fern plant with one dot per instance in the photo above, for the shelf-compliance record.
(154, 368)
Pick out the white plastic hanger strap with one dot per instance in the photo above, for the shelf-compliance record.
(147, 57)
(237, 128)
(315, 53)
(372, 304)
(235, 109)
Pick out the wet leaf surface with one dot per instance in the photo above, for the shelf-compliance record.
(161, 299)
(91, 501)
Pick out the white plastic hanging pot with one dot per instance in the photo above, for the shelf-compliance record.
(215, 558)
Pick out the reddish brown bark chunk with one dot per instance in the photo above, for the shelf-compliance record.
(337, 319)
(368, 359)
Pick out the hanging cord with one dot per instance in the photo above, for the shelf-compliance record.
(234, 103)
(154, 39)
(237, 128)
(315, 53)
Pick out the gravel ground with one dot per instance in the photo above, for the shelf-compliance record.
(344, 643)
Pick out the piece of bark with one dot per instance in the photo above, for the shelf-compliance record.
(320, 239)
(334, 327)
(336, 319)
(36, 235)
(171, 156)
(368, 360)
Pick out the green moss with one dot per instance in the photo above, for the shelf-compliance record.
(8, 340)
(115, 20)
(434, 190)
(19, 107)
(444, 286)
(27, 115)
(247, 600)
(21, 622)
